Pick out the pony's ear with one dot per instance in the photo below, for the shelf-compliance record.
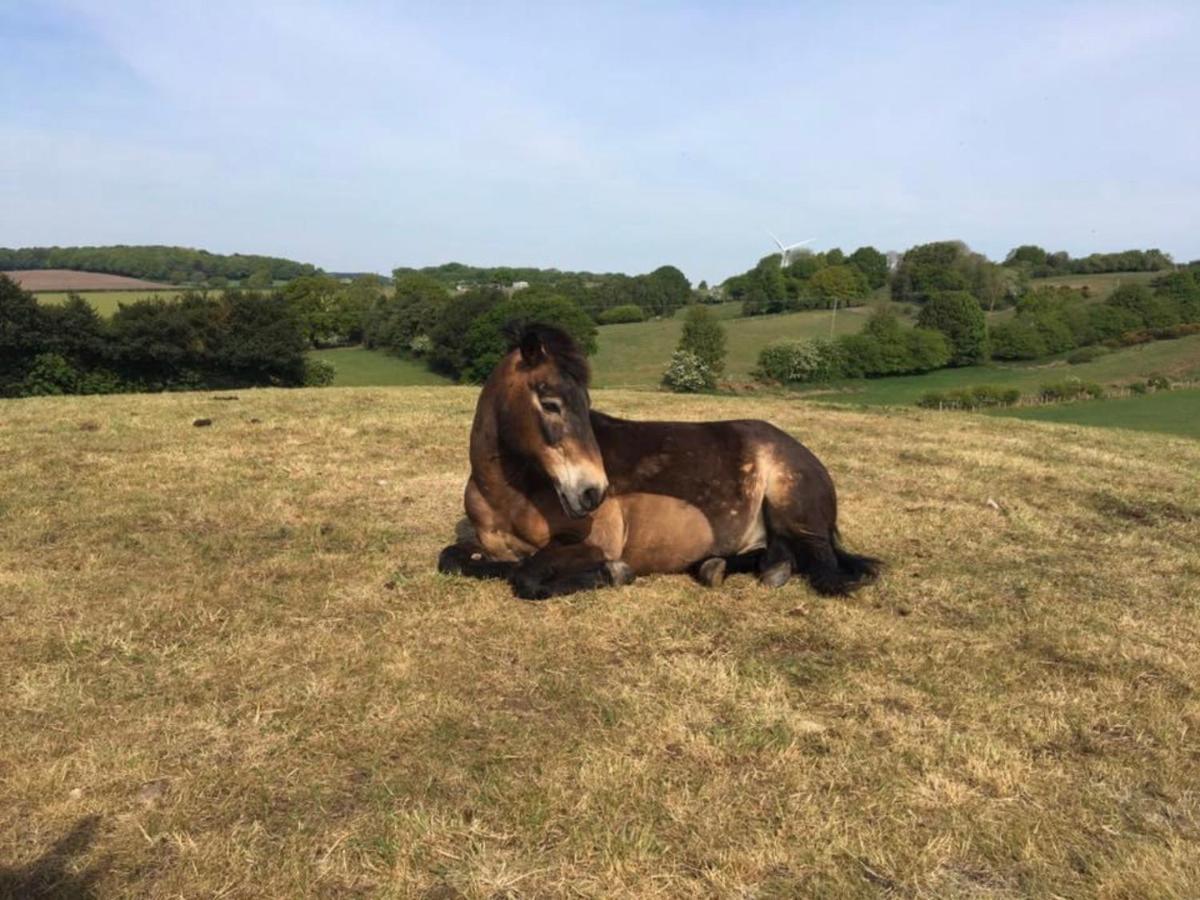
(532, 350)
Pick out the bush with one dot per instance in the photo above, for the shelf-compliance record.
(1071, 389)
(1017, 339)
(688, 374)
(629, 312)
(704, 335)
(799, 362)
(980, 396)
(318, 372)
(50, 375)
(1158, 383)
(958, 316)
(1087, 354)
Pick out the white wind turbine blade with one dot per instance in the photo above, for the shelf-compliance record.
(778, 242)
(800, 243)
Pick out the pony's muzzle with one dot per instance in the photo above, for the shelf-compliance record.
(580, 501)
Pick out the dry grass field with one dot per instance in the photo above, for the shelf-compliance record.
(39, 280)
(229, 670)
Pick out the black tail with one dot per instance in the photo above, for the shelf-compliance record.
(831, 569)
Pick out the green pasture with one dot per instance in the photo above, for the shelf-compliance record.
(1170, 412)
(106, 302)
(1179, 359)
(357, 367)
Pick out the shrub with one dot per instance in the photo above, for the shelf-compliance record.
(688, 374)
(1087, 354)
(927, 349)
(318, 372)
(1017, 339)
(50, 375)
(704, 335)
(979, 396)
(628, 312)
(421, 345)
(799, 362)
(1071, 389)
(958, 316)
(1158, 383)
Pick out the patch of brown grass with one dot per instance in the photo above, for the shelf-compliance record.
(228, 669)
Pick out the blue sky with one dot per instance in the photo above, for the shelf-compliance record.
(606, 136)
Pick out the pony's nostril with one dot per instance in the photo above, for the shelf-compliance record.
(592, 497)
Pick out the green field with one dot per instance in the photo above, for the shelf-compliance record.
(1171, 412)
(635, 355)
(1099, 286)
(357, 367)
(1179, 360)
(106, 302)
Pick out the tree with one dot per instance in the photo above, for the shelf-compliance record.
(839, 285)
(931, 269)
(1153, 311)
(1030, 255)
(957, 315)
(313, 299)
(259, 279)
(488, 338)
(414, 308)
(22, 333)
(704, 336)
(449, 354)
(664, 290)
(873, 265)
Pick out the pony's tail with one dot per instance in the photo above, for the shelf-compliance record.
(834, 570)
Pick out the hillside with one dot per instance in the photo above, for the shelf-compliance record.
(229, 668)
(177, 265)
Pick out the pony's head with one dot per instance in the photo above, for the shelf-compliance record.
(545, 415)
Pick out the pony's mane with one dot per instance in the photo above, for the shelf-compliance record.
(559, 346)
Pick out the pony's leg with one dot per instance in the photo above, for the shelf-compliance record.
(713, 571)
(559, 569)
(777, 564)
(471, 560)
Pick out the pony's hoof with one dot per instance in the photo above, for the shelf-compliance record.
(526, 588)
(620, 573)
(776, 576)
(453, 560)
(712, 572)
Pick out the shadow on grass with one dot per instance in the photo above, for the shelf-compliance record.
(49, 875)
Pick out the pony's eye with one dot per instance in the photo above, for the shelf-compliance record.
(551, 407)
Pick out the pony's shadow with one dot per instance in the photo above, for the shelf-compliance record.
(49, 875)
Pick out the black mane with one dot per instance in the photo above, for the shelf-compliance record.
(556, 343)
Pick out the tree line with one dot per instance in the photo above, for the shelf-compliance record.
(462, 334)
(174, 265)
(657, 293)
(809, 281)
(1038, 263)
(198, 341)
(951, 330)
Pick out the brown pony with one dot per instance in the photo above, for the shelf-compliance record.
(563, 498)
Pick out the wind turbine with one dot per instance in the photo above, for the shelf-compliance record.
(785, 253)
